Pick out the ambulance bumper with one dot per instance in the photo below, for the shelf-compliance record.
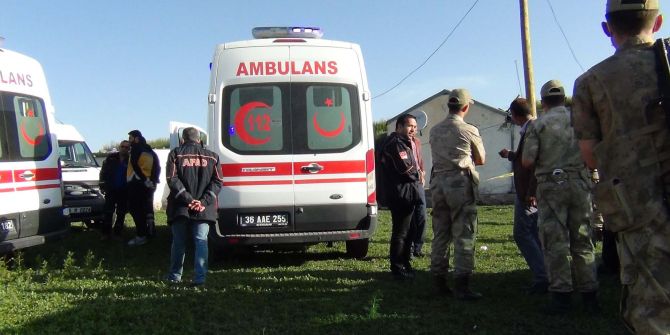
(306, 237)
(25, 242)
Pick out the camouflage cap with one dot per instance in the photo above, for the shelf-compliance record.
(622, 5)
(459, 97)
(552, 88)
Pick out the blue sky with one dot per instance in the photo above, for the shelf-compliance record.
(114, 66)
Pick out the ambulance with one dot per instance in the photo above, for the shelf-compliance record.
(31, 209)
(290, 117)
(81, 174)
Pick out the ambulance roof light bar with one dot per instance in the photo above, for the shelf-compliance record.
(287, 32)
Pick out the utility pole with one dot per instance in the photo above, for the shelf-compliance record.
(527, 58)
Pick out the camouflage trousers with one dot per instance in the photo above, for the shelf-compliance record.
(565, 232)
(454, 220)
(645, 274)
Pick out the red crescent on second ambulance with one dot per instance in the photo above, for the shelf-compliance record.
(240, 127)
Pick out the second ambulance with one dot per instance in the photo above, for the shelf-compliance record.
(290, 117)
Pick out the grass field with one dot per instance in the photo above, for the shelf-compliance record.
(84, 286)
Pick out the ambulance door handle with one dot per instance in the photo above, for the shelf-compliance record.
(27, 175)
(311, 168)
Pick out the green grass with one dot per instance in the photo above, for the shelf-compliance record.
(84, 286)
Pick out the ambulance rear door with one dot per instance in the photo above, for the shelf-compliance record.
(254, 113)
(30, 180)
(329, 141)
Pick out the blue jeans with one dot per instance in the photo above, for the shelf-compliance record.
(419, 222)
(199, 229)
(527, 239)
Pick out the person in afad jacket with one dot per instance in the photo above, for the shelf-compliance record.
(194, 178)
(401, 176)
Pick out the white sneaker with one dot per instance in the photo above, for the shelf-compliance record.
(137, 240)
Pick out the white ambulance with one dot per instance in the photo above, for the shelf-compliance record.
(81, 174)
(290, 117)
(31, 209)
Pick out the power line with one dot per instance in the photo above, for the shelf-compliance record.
(564, 36)
(432, 54)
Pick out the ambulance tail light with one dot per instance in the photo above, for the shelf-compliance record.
(287, 32)
(370, 177)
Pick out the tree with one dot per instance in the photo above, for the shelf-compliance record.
(160, 143)
(379, 127)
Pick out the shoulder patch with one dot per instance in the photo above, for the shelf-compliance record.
(403, 155)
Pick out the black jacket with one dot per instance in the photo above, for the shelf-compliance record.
(110, 171)
(401, 175)
(193, 172)
(525, 182)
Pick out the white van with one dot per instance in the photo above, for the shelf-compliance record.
(290, 117)
(31, 209)
(81, 174)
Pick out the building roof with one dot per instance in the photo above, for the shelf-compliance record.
(444, 92)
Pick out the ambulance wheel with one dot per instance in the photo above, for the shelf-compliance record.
(358, 248)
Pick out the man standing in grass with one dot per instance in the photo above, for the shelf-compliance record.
(193, 174)
(456, 148)
(564, 203)
(622, 129)
(142, 177)
(525, 204)
(401, 175)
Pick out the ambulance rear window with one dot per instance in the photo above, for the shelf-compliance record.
(290, 118)
(31, 123)
(23, 128)
(254, 119)
(330, 116)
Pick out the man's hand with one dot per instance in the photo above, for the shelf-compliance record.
(422, 177)
(504, 153)
(532, 201)
(196, 206)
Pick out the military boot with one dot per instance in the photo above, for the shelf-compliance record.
(560, 303)
(462, 289)
(440, 284)
(590, 301)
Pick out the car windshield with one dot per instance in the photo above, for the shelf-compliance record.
(75, 154)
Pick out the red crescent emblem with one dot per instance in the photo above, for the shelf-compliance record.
(329, 133)
(239, 123)
(32, 140)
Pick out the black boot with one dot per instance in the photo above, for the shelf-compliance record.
(462, 289)
(590, 301)
(560, 303)
(440, 284)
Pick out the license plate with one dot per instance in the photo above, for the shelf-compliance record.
(263, 220)
(79, 210)
(7, 225)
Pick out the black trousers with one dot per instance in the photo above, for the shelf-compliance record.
(401, 239)
(141, 208)
(116, 203)
(610, 254)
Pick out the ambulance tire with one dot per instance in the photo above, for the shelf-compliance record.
(358, 248)
(219, 253)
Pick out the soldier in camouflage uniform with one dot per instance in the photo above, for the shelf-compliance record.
(622, 131)
(564, 203)
(456, 148)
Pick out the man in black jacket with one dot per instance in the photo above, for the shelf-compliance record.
(401, 172)
(142, 177)
(113, 186)
(194, 177)
(525, 229)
